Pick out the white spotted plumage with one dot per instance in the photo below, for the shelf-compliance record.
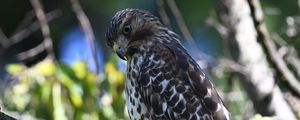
(135, 111)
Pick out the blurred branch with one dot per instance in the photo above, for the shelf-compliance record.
(26, 31)
(86, 26)
(293, 59)
(258, 81)
(232, 65)
(224, 33)
(162, 12)
(270, 47)
(28, 19)
(249, 111)
(31, 52)
(3, 39)
(278, 39)
(37, 6)
(298, 3)
(183, 28)
(293, 101)
(290, 53)
(222, 30)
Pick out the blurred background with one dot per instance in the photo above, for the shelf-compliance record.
(54, 62)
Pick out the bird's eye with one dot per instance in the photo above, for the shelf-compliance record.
(126, 30)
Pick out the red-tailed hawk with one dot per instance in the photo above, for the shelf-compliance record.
(163, 81)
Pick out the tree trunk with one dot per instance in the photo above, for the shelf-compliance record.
(258, 79)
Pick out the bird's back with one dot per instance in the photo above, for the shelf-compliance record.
(164, 82)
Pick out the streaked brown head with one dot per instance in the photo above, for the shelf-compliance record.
(129, 28)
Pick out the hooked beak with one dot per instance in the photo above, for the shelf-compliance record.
(121, 54)
(120, 51)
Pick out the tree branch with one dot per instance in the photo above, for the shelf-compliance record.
(183, 28)
(162, 13)
(224, 32)
(293, 101)
(271, 50)
(26, 31)
(3, 39)
(290, 53)
(31, 52)
(293, 59)
(37, 6)
(86, 26)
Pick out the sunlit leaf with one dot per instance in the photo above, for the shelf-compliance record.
(299, 113)
(76, 95)
(46, 68)
(19, 96)
(259, 117)
(108, 112)
(46, 92)
(59, 110)
(65, 79)
(14, 68)
(114, 76)
(80, 69)
(91, 79)
(20, 89)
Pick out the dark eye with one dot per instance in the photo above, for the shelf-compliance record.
(126, 30)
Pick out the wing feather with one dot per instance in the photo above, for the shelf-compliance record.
(201, 85)
(168, 89)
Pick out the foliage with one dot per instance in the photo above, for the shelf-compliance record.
(259, 117)
(57, 91)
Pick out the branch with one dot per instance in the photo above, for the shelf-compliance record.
(231, 65)
(162, 13)
(26, 31)
(298, 3)
(86, 26)
(29, 17)
(290, 53)
(270, 48)
(3, 39)
(183, 28)
(31, 52)
(293, 101)
(224, 32)
(293, 59)
(37, 6)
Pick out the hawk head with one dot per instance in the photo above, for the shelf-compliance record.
(128, 29)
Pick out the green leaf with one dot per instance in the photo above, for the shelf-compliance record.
(14, 68)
